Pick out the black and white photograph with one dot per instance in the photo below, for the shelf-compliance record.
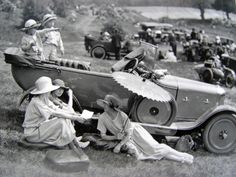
(118, 88)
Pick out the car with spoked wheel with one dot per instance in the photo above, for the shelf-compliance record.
(188, 106)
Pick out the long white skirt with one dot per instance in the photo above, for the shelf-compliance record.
(56, 132)
(145, 145)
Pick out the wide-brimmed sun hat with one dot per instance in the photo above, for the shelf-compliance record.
(43, 85)
(29, 24)
(60, 83)
(48, 17)
(110, 100)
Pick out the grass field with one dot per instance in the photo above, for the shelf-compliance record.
(17, 161)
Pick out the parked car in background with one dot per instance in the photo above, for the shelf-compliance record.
(195, 106)
(102, 49)
(213, 71)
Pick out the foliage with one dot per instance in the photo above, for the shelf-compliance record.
(36, 9)
(33, 9)
(227, 6)
(111, 26)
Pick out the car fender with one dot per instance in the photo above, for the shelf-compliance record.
(98, 45)
(210, 114)
(231, 71)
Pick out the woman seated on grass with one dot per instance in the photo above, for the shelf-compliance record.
(46, 123)
(56, 94)
(138, 141)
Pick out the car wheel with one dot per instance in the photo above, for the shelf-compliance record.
(229, 80)
(98, 52)
(154, 112)
(219, 134)
(207, 75)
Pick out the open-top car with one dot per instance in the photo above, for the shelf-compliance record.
(194, 106)
(102, 49)
(213, 71)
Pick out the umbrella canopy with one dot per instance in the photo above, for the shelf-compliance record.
(142, 87)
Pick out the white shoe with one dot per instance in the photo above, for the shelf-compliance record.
(79, 138)
(83, 144)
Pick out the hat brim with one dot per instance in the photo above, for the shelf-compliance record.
(34, 26)
(45, 90)
(101, 103)
(49, 19)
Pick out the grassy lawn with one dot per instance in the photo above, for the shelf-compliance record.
(17, 161)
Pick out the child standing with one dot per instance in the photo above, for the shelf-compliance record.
(52, 39)
(31, 43)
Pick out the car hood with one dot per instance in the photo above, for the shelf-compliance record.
(190, 85)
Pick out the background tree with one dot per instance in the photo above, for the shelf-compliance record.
(202, 5)
(227, 6)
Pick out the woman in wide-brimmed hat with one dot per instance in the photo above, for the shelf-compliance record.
(138, 141)
(52, 40)
(46, 123)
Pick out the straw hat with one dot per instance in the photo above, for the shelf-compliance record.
(47, 18)
(60, 83)
(110, 100)
(29, 24)
(43, 85)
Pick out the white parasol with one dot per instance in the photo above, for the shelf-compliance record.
(142, 86)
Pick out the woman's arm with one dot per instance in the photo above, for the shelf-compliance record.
(62, 114)
(123, 141)
(108, 137)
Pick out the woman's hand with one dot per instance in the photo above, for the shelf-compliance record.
(70, 93)
(117, 148)
(120, 136)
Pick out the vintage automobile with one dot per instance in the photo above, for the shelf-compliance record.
(102, 49)
(195, 106)
(212, 71)
(159, 32)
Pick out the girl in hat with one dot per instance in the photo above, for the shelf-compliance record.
(46, 123)
(56, 94)
(138, 141)
(31, 43)
(52, 39)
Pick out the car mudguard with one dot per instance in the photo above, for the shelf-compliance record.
(210, 114)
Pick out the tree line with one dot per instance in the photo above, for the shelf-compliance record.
(35, 8)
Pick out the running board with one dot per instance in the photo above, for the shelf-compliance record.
(168, 130)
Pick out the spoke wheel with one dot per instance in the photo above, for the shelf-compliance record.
(154, 112)
(229, 80)
(219, 134)
(207, 75)
(98, 52)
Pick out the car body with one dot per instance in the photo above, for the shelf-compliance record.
(194, 106)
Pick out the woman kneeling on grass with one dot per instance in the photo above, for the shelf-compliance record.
(46, 123)
(138, 141)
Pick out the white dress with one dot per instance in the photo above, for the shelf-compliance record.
(40, 126)
(140, 141)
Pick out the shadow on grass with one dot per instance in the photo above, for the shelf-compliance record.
(11, 119)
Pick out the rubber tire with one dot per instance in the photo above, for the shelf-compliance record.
(207, 75)
(229, 80)
(210, 132)
(103, 52)
(171, 118)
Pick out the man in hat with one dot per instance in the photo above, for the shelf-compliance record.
(52, 39)
(116, 43)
